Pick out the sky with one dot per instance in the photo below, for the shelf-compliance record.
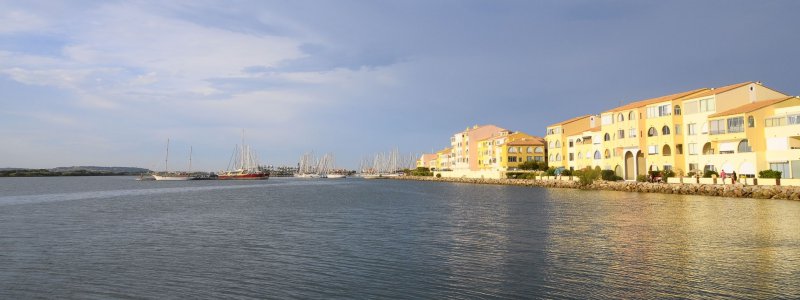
(106, 83)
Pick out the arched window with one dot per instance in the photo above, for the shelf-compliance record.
(558, 144)
(707, 150)
(530, 149)
(677, 110)
(579, 155)
(558, 157)
(665, 130)
(596, 154)
(551, 145)
(751, 122)
(744, 146)
(620, 117)
(666, 151)
(607, 137)
(652, 132)
(538, 150)
(632, 115)
(608, 154)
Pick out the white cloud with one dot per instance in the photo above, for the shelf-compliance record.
(15, 21)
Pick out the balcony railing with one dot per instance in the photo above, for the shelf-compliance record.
(782, 121)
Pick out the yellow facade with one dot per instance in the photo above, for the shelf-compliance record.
(506, 150)
(681, 132)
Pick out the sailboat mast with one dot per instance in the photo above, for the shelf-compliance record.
(166, 159)
(190, 158)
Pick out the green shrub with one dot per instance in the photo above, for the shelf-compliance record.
(607, 175)
(566, 172)
(421, 171)
(529, 165)
(587, 176)
(550, 172)
(769, 174)
(641, 178)
(618, 178)
(691, 174)
(669, 173)
(438, 175)
(708, 173)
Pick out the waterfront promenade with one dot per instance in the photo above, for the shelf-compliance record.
(722, 190)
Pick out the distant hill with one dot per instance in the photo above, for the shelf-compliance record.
(72, 171)
(129, 170)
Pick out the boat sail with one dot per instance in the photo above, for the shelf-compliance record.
(173, 176)
(243, 165)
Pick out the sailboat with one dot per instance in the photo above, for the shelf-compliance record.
(173, 176)
(243, 165)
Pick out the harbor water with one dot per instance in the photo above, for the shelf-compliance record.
(114, 237)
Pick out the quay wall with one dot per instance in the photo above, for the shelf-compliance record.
(738, 190)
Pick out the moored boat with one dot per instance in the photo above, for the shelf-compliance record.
(245, 165)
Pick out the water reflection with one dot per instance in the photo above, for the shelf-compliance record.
(647, 245)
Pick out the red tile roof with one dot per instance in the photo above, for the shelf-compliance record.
(750, 107)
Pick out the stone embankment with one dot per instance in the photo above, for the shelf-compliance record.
(729, 190)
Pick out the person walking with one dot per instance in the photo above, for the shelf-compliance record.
(733, 177)
(722, 175)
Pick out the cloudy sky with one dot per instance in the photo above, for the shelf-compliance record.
(107, 82)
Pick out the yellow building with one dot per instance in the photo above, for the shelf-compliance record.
(683, 132)
(742, 142)
(557, 136)
(696, 110)
(506, 150)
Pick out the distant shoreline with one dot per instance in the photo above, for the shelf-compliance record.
(717, 190)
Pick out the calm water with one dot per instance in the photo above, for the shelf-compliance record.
(113, 237)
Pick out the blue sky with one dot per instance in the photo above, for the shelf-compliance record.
(107, 82)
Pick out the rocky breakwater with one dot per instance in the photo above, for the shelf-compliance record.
(720, 190)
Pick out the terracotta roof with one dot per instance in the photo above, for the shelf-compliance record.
(671, 97)
(570, 120)
(721, 90)
(526, 141)
(750, 107)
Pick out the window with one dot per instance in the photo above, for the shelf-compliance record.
(793, 119)
(579, 155)
(558, 157)
(744, 146)
(704, 129)
(530, 150)
(652, 149)
(607, 137)
(652, 132)
(570, 143)
(783, 167)
(690, 129)
(538, 150)
(679, 149)
(735, 124)
(537, 158)
(632, 133)
(620, 117)
(677, 110)
(596, 154)
(558, 144)
(632, 115)
(529, 158)
(692, 149)
(707, 150)
(621, 133)
(665, 130)
(552, 158)
(607, 154)
(692, 167)
(652, 112)
(666, 151)
(551, 144)
(717, 127)
(751, 122)
(512, 150)
(707, 105)
(691, 107)
(677, 129)
(665, 110)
